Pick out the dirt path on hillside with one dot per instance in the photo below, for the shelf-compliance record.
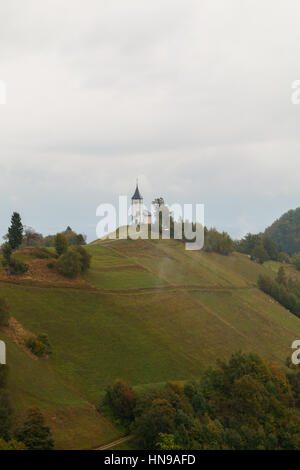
(114, 443)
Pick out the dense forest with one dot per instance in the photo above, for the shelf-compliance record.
(285, 231)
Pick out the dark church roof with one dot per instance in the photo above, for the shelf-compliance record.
(137, 194)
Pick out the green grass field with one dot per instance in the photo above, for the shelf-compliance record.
(160, 313)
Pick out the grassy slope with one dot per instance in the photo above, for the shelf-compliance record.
(199, 307)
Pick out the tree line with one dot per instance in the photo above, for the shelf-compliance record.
(285, 289)
(242, 404)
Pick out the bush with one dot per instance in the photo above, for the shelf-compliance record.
(52, 264)
(45, 340)
(6, 253)
(60, 243)
(12, 445)
(17, 267)
(85, 258)
(33, 433)
(69, 264)
(4, 313)
(39, 345)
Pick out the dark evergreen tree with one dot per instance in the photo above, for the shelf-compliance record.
(15, 231)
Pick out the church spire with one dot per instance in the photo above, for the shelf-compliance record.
(137, 194)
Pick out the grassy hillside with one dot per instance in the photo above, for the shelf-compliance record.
(148, 312)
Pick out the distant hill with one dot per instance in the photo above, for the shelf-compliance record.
(147, 311)
(285, 231)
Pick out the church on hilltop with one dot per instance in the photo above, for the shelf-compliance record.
(139, 215)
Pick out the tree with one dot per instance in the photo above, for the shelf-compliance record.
(259, 254)
(60, 243)
(69, 263)
(158, 202)
(281, 277)
(217, 242)
(296, 260)
(6, 252)
(121, 399)
(160, 418)
(73, 238)
(163, 216)
(248, 243)
(33, 432)
(270, 247)
(15, 231)
(31, 237)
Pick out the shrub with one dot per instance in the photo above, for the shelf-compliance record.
(45, 340)
(33, 433)
(85, 258)
(52, 264)
(39, 345)
(6, 253)
(17, 267)
(69, 264)
(60, 243)
(12, 445)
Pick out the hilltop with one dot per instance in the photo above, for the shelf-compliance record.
(147, 311)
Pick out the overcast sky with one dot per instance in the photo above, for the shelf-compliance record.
(191, 96)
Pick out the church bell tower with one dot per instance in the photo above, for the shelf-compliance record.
(137, 207)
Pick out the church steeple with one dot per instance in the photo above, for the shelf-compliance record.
(137, 194)
(139, 214)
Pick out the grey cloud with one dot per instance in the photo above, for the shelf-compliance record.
(192, 96)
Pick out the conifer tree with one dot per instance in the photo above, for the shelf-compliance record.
(15, 231)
